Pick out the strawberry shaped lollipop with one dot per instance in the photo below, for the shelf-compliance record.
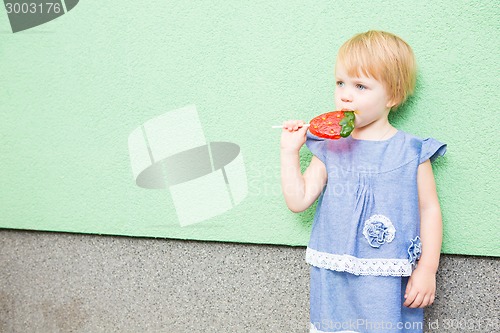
(333, 125)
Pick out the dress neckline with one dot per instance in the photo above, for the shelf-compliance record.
(375, 141)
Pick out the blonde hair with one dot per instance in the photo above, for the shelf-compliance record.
(385, 57)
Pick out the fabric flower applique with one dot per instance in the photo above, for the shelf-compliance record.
(414, 250)
(378, 229)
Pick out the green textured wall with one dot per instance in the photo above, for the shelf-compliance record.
(73, 89)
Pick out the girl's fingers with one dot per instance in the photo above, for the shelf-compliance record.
(417, 302)
(303, 129)
(426, 301)
(410, 297)
(408, 287)
(300, 128)
(293, 125)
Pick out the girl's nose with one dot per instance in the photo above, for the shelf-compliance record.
(346, 98)
(345, 95)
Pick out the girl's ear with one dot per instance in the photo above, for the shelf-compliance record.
(392, 102)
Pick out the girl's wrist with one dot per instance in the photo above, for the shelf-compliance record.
(422, 266)
(289, 151)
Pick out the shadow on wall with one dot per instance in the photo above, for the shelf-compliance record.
(170, 151)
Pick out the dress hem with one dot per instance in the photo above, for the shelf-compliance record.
(359, 266)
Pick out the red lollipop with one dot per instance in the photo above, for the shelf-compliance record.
(331, 125)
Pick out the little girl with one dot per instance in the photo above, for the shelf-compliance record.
(378, 211)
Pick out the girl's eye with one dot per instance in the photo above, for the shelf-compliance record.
(340, 84)
(360, 87)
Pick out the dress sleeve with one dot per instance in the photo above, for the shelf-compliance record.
(431, 149)
(316, 145)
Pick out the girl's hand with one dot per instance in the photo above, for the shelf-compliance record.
(421, 288)
(293, 135)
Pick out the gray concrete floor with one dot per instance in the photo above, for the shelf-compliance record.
(61, 282)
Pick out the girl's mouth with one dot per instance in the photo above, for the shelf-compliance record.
(355, 111)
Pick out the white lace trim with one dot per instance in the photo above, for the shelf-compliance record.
(358, 266)
(313, 329)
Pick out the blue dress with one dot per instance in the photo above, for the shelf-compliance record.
(365, 239)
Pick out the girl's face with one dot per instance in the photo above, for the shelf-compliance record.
(364, 94)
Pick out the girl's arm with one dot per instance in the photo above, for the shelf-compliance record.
(431, 226)
(300, 191)
(421, 287)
